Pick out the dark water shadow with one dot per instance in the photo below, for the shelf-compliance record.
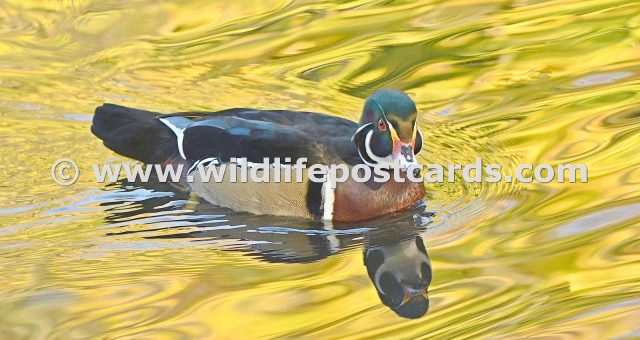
(394, 254)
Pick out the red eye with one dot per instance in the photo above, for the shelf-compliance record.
(382, 126)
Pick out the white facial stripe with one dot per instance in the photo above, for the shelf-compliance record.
(366, 144)
(386, 161)
(364, 160)
(383, 113)
(415, 123)
(179, 132)
(380, 160)
(357, 131)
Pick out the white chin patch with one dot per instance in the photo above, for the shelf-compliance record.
(402, 162)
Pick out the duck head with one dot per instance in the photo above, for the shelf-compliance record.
(401, 272)
(388, 134)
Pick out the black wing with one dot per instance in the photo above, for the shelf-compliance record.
(256, 134)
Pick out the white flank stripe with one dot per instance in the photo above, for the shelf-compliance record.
(328, 197)
(204, 162)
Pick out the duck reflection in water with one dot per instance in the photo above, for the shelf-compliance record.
(400, 269)
(394, 254)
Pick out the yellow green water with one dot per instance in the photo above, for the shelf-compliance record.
(511, 81)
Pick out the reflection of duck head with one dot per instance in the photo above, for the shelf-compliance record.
(401, 272)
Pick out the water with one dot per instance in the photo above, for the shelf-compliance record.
(510, 81)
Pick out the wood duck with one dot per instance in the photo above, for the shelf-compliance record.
(386, 134)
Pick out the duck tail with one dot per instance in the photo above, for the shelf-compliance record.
(134, 133)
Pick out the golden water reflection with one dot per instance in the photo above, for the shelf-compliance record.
(513, 82)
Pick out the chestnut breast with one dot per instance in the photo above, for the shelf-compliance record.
(361, 201)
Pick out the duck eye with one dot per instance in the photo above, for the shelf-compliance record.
(382, 126)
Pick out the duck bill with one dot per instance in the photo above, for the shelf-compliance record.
(408, 295)
(405, 298)
(403, 153)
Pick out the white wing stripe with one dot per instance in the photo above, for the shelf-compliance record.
(179, 135)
